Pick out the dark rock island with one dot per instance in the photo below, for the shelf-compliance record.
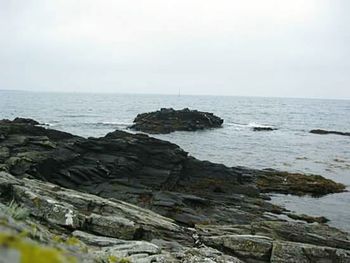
(324, 132)
(133, 198)
(170, 120)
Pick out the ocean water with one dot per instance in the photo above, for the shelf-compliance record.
(290, 148)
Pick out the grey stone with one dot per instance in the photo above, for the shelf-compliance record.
(290, 252)
(250, 248)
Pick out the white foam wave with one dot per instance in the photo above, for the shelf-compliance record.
(234, 124)
(48, 124)
(258, 125)
(114, 123)
(249, 125)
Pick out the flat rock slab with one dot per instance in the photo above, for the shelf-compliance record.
(304, 253)
(246, 247)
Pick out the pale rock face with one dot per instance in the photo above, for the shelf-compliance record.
(69, 218)
(120, 219)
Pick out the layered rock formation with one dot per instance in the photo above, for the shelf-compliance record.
(170, 120)
(132, 197)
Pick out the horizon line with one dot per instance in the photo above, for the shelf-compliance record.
(168, 94)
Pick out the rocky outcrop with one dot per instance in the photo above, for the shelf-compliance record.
(25, 121)
(133, 197)
(278, 241)
(68, 208)
(170, 120)
(70, 226)
(264, 129)
(323, 132)
(297, 184)
(150, 173)
(298, 252)
(250, 248)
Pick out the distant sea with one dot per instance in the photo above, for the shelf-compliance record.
(290, 148)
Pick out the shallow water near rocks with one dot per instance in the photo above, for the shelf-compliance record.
(290, 148)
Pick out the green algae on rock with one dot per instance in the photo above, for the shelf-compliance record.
(297, 184)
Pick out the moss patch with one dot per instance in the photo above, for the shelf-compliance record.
(30, 252)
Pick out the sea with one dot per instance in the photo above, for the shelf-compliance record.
(289, 148)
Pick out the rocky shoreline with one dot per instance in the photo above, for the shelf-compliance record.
(133, 198)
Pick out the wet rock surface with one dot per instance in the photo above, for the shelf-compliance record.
(133, 197)
(170, 120)
(324, 132)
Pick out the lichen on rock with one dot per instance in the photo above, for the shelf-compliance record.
(18, 249)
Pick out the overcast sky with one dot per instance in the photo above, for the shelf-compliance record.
(284, 48)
